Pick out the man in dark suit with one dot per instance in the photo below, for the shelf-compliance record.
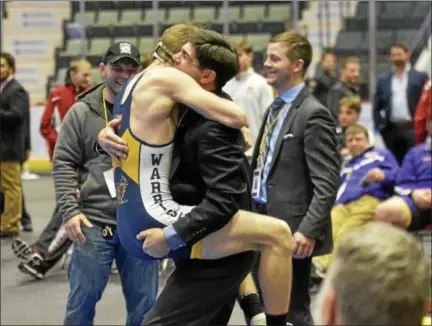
(396, 97)
(296, 166)
(14, 106)
(345, 87)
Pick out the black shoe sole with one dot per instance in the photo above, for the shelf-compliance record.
(23, 250)
(26, 269)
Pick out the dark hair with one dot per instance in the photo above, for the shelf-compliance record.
(401, 45)
(213, 51)
(9, 59)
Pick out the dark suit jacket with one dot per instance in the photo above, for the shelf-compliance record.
(209, 170)
(324, 82)
(383, 96)
(14, 119)
(337, 92)
(304, 176)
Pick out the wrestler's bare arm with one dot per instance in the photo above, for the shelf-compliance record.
(184, 89)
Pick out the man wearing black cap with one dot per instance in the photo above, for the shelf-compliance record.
(93, 216)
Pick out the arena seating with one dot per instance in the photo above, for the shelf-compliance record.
(111, 21)
(396, 22)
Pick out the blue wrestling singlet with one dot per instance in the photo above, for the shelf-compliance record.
(142, 187)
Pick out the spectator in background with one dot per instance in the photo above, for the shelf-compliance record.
(411, 208)
(39, 257)
(14, 110)
(346, 86)
(146, 59)
(250, 90)
(367, 178)
(60, 100)
(349, 114)
(325, 77)
(92, 218)
(395, 101)
(423, 112)
(379, 276)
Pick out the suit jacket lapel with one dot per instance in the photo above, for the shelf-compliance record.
(259, 139)
(286, 126)
(176, 155)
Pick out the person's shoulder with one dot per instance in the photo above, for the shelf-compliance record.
(17, 86)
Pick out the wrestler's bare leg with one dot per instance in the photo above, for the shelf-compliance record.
(248, 286)
(273, 239)
(393, 211)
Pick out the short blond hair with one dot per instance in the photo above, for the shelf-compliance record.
(380, 276)
(348, 60)
(173, 39)
(357, 129)
(298, 47)
(243, 45)
(353, 102)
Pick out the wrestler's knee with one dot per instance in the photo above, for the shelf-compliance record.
(384, 212)
(281, 235)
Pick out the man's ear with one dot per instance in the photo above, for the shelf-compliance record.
(208, 76)
(102, 68)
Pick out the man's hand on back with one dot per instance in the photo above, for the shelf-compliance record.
(247, 135)
(110, 142)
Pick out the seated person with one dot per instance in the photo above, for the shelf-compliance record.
(372, 281)
(349, 114)
(411, 207)
(367, 179)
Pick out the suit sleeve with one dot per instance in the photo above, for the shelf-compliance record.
(68, 157)
(320, 151)
(220, 160)
(377, 106)
(18, 108)
(333, 98)
(46, 129)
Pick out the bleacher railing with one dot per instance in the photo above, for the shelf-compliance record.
(422, 37)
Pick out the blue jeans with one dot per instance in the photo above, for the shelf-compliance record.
(89, 271)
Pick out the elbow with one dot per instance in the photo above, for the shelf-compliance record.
(240, 120)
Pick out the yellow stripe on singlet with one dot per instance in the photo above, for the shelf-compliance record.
(130, 165)
(197, 250)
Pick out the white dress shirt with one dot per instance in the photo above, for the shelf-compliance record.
(251, 91)
(399, 88)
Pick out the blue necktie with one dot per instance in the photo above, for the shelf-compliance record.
(275, 108)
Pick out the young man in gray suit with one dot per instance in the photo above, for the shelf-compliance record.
(296, 164)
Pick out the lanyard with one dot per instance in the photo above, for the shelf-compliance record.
(270, 128)
(105, 107)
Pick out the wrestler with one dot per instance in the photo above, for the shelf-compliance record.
(148, 125)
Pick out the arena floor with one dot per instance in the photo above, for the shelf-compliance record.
(28, 302)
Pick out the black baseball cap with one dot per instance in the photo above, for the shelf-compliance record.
(122, 50)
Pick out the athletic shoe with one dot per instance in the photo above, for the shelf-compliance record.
(259, 319)
(21, 249)
(34, 267)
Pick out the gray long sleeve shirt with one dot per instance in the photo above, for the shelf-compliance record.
(76, 164)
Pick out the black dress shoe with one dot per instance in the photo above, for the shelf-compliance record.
(8, 234)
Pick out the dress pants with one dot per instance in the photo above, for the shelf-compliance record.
(10, 183)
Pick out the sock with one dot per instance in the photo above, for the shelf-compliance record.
(251, 305)
(276, 320)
